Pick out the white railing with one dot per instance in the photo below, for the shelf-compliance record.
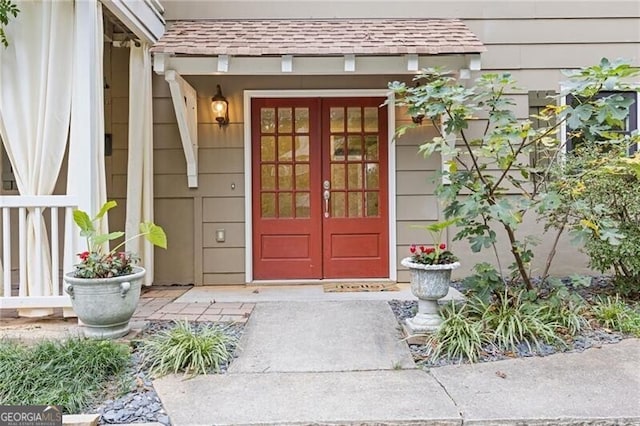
(51, 209)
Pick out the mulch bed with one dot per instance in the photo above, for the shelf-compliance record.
(594, 337)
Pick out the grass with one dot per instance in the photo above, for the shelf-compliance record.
(71, 373)
(460, 335)
(186, 348)
(504, 322)
(568, 316)
(512, 321)
(615, 314)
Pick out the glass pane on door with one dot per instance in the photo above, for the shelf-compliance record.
(354, 154)
(284, 162)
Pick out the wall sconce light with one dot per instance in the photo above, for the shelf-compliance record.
(417, 118)
(220, 107)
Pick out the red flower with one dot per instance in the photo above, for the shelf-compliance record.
(443, 246)
(429, 250)
(423, 249)
(84, 255)
(412, 249)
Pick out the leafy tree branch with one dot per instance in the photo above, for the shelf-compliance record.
(7, 10)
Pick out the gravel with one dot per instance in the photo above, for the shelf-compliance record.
(588, 338)
(142, 404)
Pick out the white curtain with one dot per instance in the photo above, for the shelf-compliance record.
(140, 165)
(35, 102)
(86, 170)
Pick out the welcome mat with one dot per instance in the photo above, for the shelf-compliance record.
(355, 286)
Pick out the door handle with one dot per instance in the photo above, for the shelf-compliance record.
(326, 195)
(326, 185)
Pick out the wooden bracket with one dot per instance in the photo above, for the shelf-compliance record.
(184, 99)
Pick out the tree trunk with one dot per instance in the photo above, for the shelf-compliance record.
(516, 255)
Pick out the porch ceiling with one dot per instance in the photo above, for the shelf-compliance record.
(318, 37)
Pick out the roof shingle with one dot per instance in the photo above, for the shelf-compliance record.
(311, 37)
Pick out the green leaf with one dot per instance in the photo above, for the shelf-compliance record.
(440, 226)
(427, 149)
(83, 221)
(102, 238)
(154, 234)
(505, 213)
(580, 114)
(105, 208)
(479, 242)
(611, 236)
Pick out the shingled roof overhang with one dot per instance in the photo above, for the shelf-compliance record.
(318, 37)
(316, 46)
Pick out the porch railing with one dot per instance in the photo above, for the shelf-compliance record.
(57, 213)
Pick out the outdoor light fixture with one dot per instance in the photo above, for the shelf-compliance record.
(220, 107)
(417, 118)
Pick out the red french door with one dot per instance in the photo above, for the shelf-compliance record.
(319, 188)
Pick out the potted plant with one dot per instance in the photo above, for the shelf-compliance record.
(105, 286)
(430, 268)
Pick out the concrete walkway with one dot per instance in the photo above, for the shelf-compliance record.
(342, 362)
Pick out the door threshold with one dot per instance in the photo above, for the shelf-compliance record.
(258, 283)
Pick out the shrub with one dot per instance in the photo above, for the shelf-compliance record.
(601, 209)
(72, 373)
(192, 349)
(484, 283)
(489, 183)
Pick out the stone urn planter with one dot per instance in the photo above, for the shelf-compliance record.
(428, 283)
(105, 305)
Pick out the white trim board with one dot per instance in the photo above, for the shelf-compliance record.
(143, 18)
(310, 65)
(563, 127)
(391, 162)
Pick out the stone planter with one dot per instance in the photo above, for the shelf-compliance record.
(105, 305)
(428, 283)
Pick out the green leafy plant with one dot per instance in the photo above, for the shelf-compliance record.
(461, 335)
(566, 313)
(505, 320)
(484, 283)
(438, 254)
(73, 373)
(95, 263)
(183, 347)
(615, 314)
(601, 211)
(512, 320)
(7, 9)
(488, 182)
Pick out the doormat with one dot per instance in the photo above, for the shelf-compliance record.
(349, 287)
